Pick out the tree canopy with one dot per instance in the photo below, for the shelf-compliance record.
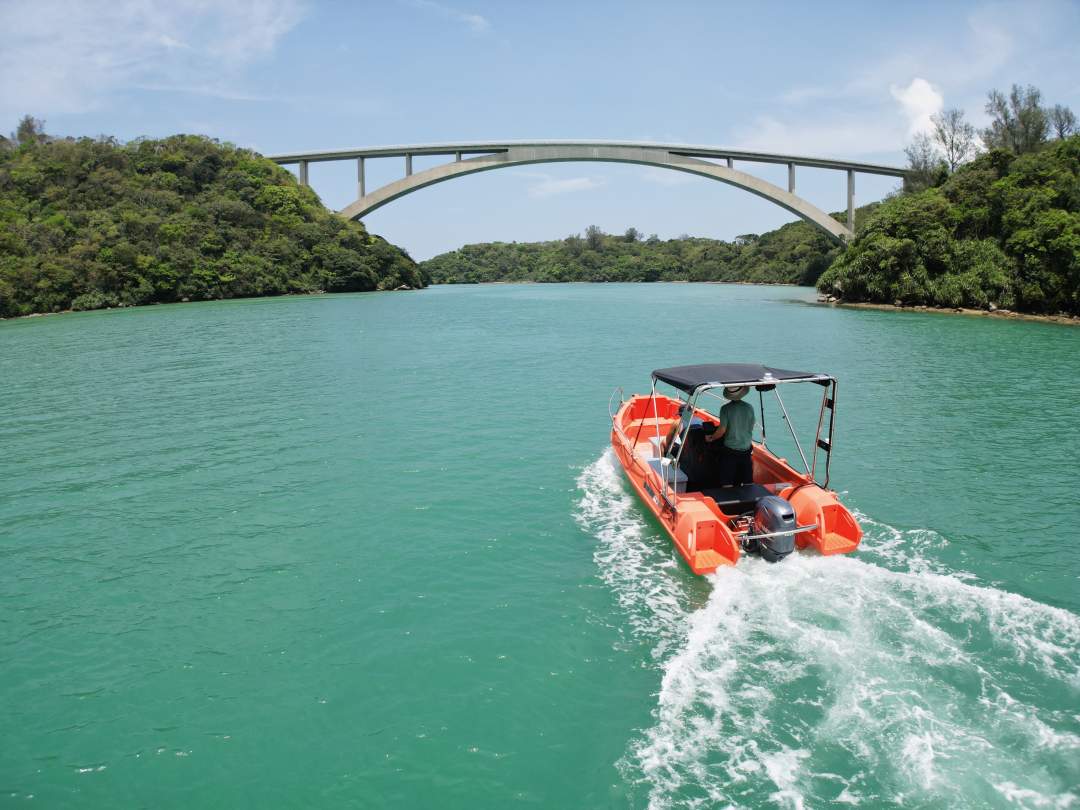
(796, 253)
(1003, 231)
(1018, 121)
(91, 223)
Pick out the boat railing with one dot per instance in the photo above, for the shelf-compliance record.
(745, 535)
(794, 436)
(613, 410)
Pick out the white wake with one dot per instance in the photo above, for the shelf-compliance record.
(838, 680)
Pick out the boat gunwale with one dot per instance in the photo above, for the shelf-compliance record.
(671, 508)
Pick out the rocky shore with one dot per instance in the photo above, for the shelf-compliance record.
(992, 311)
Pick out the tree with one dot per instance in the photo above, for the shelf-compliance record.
(954, 135)
(924, 163)
(1062, 121)
(632, 235)
(594, 237)
(1018, 123)
(797, 253)
(1003, 231)
(30, 130)
(89, 223)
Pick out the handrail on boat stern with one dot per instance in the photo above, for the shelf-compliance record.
(611, 414)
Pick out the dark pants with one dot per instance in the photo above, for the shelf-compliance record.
(734, 467)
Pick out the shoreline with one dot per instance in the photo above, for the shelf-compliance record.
(203, 301)
(598, 283)
(398, 289)
(1003, 314)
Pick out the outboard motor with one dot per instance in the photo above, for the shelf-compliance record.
(773, 514)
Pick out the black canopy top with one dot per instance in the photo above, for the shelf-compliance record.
(690, 378)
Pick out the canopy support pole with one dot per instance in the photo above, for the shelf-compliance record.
(817, 435)
(761, 408)
(691, 404)
(641, 423)
(791, 429)
(659, 441)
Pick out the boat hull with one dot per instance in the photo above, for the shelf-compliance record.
(699, 527)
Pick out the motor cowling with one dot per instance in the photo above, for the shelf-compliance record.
(773, 514)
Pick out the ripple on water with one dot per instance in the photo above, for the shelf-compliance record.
(838, 679)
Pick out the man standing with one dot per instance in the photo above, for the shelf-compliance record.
(736, 428)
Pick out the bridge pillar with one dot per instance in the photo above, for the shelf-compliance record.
(791, 177)
(730, 163)
(303, 172)
(359, 178)
(851, 200)
(408, 165)
(457, 157)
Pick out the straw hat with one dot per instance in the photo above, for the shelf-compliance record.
(736, 392)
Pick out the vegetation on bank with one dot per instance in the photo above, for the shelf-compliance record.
(1001, 231)
(797, 253)
(92, 223)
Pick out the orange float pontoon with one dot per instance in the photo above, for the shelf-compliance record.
(659, 440)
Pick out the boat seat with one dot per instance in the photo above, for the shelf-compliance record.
(680, 476)
(737, 500)
(656, 441)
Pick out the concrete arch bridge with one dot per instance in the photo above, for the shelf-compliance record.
(705, 161)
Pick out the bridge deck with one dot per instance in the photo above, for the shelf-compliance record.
(492, 147)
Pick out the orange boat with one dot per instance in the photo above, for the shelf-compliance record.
(661, 442)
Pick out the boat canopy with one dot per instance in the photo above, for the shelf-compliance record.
(710, 375)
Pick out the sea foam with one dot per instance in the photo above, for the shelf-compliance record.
(877, 679)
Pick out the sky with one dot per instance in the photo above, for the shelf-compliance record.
(847, 80)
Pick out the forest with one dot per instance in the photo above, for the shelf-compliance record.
(90, 223)
(796, 253)
(988, 220)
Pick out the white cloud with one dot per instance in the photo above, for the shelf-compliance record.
(851, 136)
(992, 38)
(891, 99)
(920, 102)
(544, 185)
(475, 22)
(969, 55)
(58, 57)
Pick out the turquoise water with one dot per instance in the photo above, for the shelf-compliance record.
(371, 551)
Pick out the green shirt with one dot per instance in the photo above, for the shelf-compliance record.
(737, 419)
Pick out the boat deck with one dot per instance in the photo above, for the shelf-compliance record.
(697, 515)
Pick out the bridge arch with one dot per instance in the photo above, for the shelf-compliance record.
(688, 159)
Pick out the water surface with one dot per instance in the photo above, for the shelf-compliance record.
(370, 550)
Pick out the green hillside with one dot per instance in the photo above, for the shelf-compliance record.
(92, 223)
(796, 253)
(1002, 231)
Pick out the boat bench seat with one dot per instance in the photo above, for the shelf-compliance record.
(648, 426)
(679, 475)
(737, 500)
(695, 423)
